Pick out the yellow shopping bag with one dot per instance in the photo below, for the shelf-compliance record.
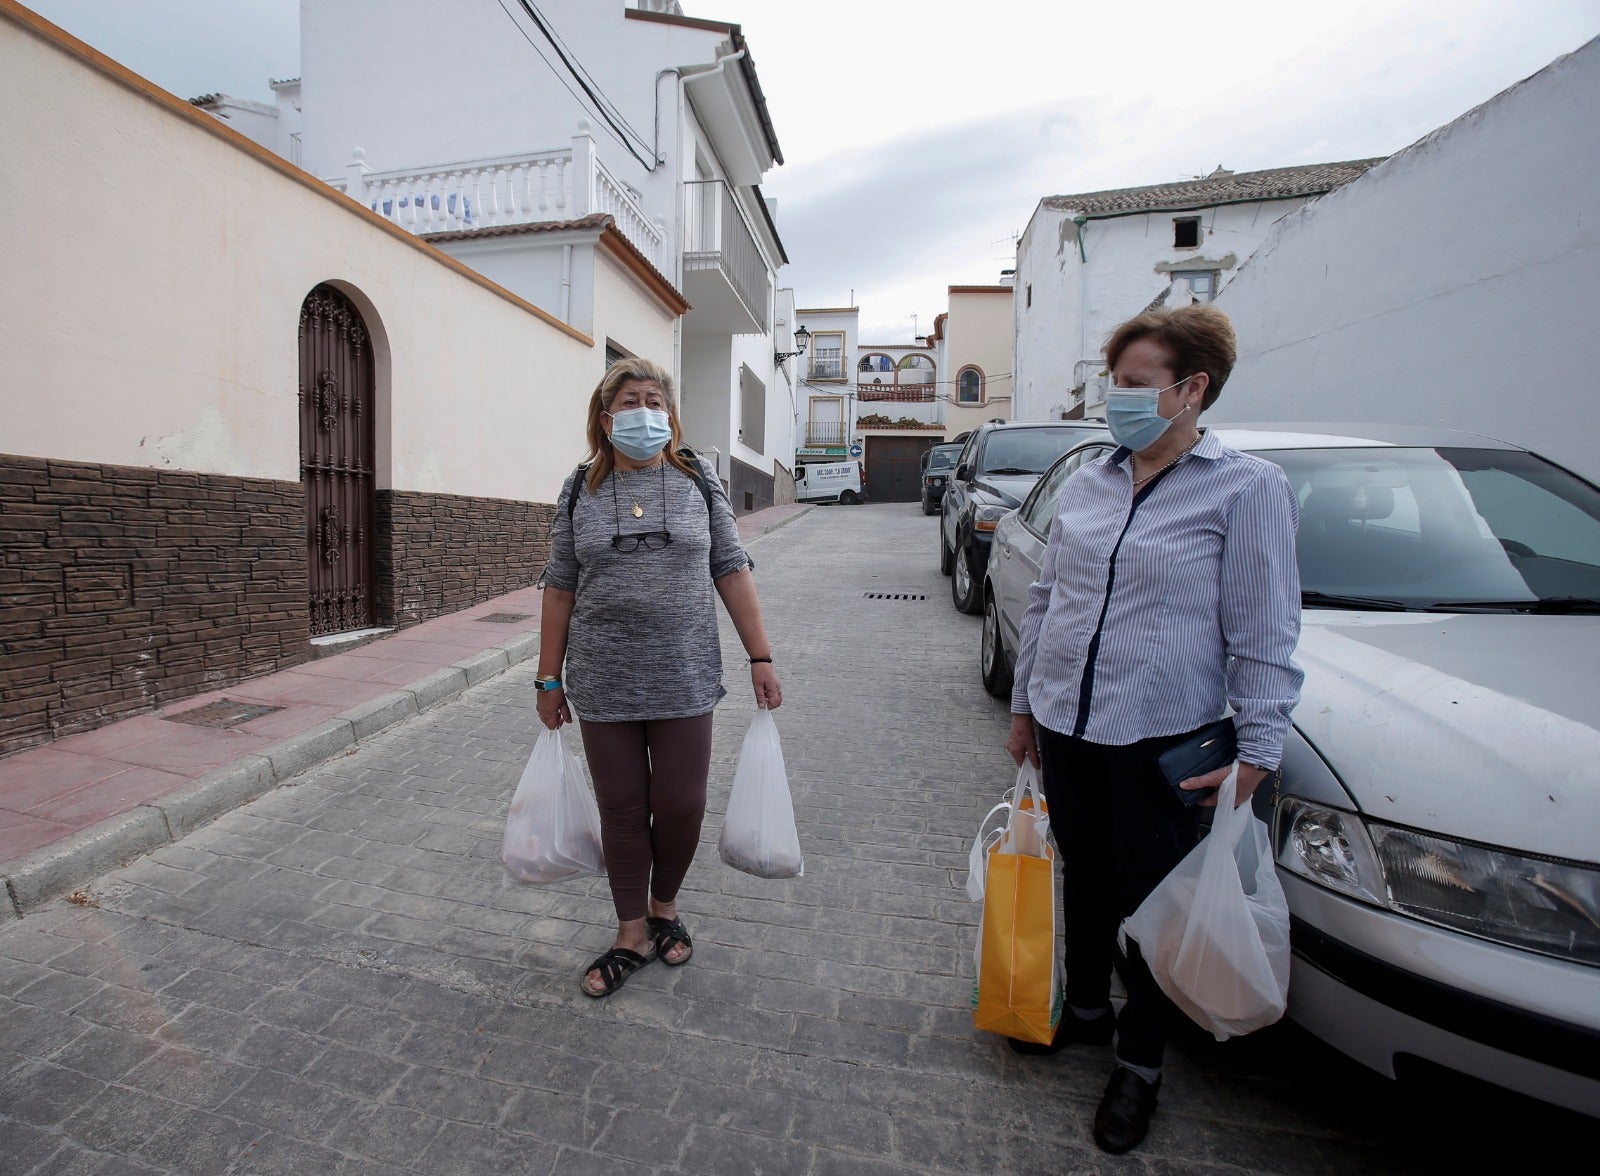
(1018, 990)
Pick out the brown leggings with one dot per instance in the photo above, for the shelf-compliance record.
(650, 781)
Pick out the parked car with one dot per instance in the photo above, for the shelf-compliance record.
(1437, 823)
(998, 464)
(937, 464)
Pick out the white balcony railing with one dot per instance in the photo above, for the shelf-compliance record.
(562, 184)
(718, 237)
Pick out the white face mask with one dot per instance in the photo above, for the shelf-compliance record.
(1134, 415)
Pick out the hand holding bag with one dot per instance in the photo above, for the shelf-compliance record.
(1215, 931)
(553, 828)
(1019, 986)
(758, 831)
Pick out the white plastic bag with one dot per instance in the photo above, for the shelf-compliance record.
(758, 832)
(1027, 824)
(1215, 932)
(553, 828)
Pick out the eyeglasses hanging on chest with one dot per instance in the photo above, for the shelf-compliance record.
(649, 540)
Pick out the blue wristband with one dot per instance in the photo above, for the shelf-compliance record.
(547, 684)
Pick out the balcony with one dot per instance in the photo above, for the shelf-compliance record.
(826, 366)
(562, 184)
(725, 277)
(826, 433)
(892, 394)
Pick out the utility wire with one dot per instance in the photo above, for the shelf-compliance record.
(577, 66)
(599, 104)
(576, 97)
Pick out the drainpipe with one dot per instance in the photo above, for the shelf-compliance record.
(566, 284)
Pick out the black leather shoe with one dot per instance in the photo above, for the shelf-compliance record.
(1124, 1115)
(1072, 1030)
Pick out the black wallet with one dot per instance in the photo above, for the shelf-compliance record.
(1213, 746)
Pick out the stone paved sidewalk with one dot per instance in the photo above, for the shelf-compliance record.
(333, 979)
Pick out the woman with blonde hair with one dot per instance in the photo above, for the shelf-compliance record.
(642, 543)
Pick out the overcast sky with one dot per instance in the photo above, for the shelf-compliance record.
(920, 137)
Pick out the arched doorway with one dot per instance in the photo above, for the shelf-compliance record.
(337, 450)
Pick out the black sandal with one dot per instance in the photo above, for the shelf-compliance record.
(668, 934)
(614, 967)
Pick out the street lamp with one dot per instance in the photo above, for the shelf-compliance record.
(802, 339)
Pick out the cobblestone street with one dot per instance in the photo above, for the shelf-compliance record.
(333, 979)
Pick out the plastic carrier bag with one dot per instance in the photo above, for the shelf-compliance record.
(553, 828)
(1215, 931)
(1019, 987)
(758, 831)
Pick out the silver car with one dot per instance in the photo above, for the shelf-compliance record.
(1438, 823)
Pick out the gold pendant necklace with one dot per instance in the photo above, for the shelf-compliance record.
(638, 511)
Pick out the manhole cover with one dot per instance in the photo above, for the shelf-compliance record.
(895, 595)
(506, 618)
(226, 713)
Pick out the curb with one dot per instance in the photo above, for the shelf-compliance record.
(116, 841)
(783, 522)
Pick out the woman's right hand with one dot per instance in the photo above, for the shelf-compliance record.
(1020, 740)
(553, 709)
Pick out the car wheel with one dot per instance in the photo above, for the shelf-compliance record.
(947, 559)
(996, 673)
(848, 498)
(964, 590)
(927, 507)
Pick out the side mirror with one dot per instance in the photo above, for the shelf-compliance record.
(964, 473)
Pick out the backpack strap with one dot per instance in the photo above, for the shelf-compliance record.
(686, 453)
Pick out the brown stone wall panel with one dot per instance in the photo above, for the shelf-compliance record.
(129, 588)
(439, 553)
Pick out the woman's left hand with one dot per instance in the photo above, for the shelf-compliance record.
(1249, 777)
(769, 695)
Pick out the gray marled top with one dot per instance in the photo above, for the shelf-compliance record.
(643, 642)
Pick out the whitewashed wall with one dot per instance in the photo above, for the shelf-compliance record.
(181, 352)
(977, 331)
(1456, 284)
(1076, 304)
(820, 320)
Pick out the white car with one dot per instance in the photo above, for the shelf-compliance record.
(1438, 825)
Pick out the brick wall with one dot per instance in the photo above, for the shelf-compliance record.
(122, 589)
(747, 480)
(438, 553)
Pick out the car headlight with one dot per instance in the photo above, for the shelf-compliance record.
(937, 482)
(1537, 904)
(985, 518)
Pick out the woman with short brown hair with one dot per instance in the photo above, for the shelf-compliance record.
(1167, 592)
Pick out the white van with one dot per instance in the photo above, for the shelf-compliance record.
(834, 481)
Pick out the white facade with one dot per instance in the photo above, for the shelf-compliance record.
(1086, 264)
(180, 350)
(825, 395)
(473, 125)
(1454, 285)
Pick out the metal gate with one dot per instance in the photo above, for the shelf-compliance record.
(894, 469)
(336, 461)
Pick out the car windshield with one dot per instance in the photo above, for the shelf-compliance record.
(943, 459)
(1443, 529)
(1025, 451)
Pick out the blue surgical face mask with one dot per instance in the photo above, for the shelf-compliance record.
(1134, 416)
(641, 433)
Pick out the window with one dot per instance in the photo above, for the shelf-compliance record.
(1186, 232)
(969, 386)
(1030, 293)
(827, 355)
(1202, 283)
(752, 410)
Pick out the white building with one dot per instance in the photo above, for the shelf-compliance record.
(539, 142)
(1087, 262)
(1455, 284)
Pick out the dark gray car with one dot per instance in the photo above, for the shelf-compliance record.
(1437, 824)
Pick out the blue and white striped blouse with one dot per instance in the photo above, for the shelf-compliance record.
(1144, 621)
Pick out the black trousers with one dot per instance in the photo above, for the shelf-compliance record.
(1120, 830)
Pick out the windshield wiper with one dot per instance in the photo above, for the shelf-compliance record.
(1546, 605)
(1330, 600)
(1010, 470)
